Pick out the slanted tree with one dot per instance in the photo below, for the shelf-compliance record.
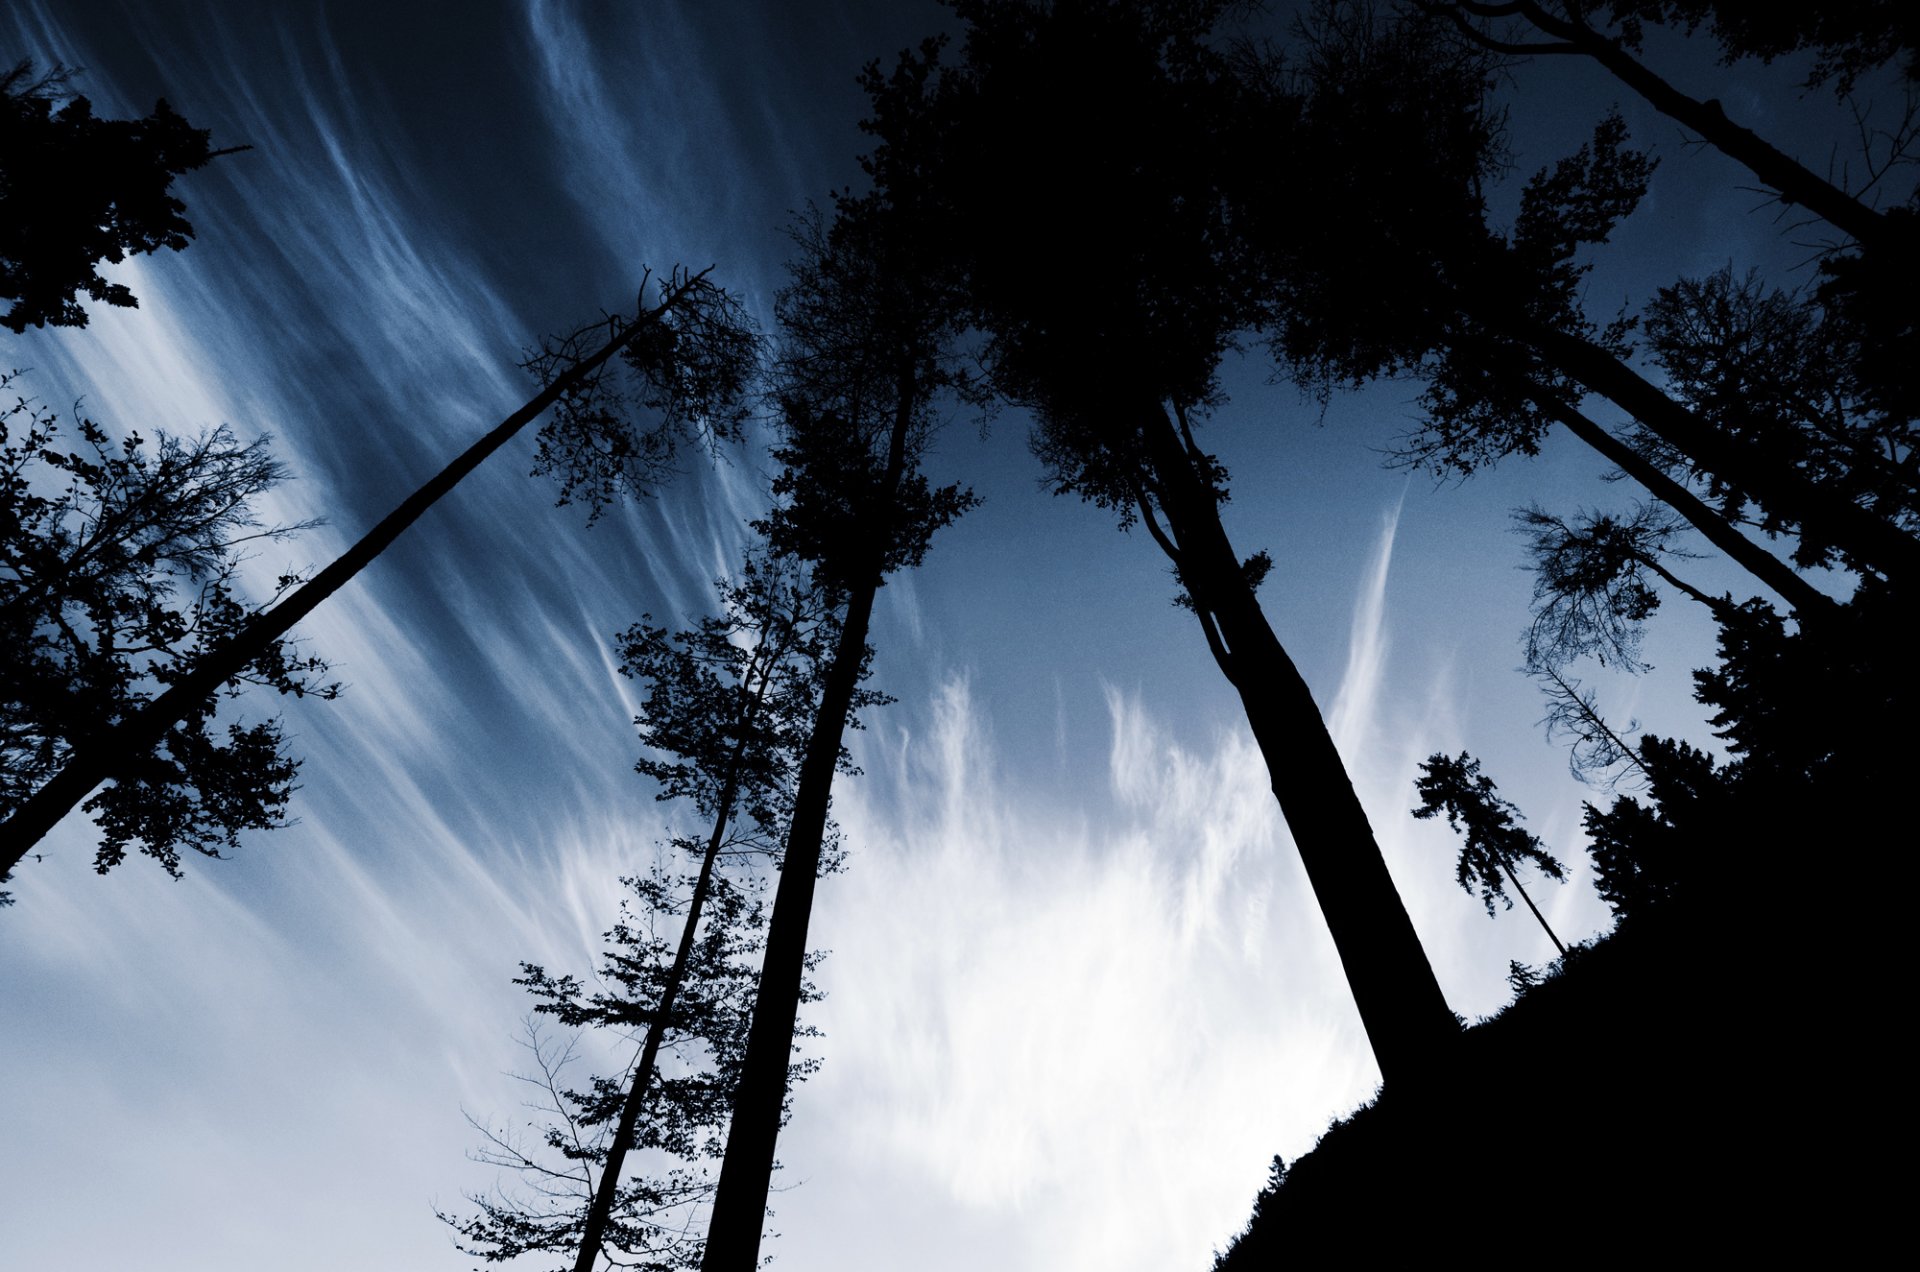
(866, 329)
(1110, 286)
(118, 575)
(687, 362)
(1493, 845)
(76, 190)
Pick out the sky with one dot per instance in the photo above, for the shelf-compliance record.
(1078, 995)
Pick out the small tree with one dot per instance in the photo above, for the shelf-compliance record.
(117, 575)
(1495, 844)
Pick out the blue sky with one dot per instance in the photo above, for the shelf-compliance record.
(1078, 994)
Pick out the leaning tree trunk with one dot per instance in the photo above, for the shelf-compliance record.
(746, 1173)
(95, 759)
(1405, 1014)
(1783, 491)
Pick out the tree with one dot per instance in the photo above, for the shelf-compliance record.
(1591, 594)
(728, 707)
(865, 357)
(1398, 271)
(1109, 290)
(693, 1006)
(1494, 845)
(687, 360)
(76, 190)
(118, 576)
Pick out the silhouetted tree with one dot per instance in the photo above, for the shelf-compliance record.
(117, 576)
(1493, 843)
(1110, 285)
(1591, 594)
(866, 327)
(1595, 749)
(1394, 269)
(693, 325)
(730, 704)
(692, 998)
(76, 190)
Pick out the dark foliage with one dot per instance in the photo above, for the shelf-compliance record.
(1494, 846)
(1593, 582)
(1848, 38)
(76, 190)
(118, 565)
(686, 377)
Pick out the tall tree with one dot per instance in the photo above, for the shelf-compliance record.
(865, 328)
(76, 190)
(688, 360)
(1078, 150)
(118, 573)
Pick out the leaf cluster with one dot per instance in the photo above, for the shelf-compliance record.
(686, 377)
(76, 190)
(118, 572)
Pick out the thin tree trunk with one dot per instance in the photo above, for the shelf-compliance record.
(1540, 918)
(1401, 1005)
(746, 1173)
(602, 1208)
(95, 759)
(1716, 529)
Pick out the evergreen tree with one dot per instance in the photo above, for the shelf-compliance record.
(76, 190)
(1494, 845)
(727, 711)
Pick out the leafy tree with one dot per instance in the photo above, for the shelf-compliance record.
(76, 190)
(118, 566)
(1109, 290)
(1494, 845)
(681, 364)
(727, 711)
(864, 364)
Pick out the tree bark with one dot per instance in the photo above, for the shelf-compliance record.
(1401, 1005)
(95, 759)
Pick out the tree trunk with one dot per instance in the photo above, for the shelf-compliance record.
(1717, 530)
(1538, 917)
(602, 1209)
(1867, 538)
(1405, 1014)
(746, 1173)
(1795, 182)
(95, 759)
